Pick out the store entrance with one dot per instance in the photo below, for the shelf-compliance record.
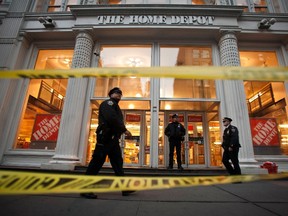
(133, 148)
(193, 147)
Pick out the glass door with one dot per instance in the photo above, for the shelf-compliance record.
(131, 146)
(192, 149)
(168, 119)
(195, 144)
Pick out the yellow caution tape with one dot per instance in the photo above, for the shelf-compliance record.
(12, 182)
(181, 72)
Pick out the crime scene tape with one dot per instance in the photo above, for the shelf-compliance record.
(181, 72)
(12, 182)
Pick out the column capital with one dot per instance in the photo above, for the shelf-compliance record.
(86, 32)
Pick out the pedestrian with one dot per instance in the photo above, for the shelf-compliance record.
(231, 147)
(110, 128)
(175, 132)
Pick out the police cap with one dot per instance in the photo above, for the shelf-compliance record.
(115, 90)
(227, 119)
(175, 115)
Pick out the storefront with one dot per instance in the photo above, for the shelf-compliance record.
(52, 122)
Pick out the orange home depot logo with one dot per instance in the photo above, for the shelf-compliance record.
(264, 132)
(46, 127)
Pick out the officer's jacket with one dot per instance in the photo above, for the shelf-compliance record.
(175, 131)
(111, 117)
(231, 137)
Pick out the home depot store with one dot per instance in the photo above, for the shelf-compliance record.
(157, 38)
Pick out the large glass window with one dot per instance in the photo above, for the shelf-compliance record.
(124, 56)
(186, 88)
(253, 5)
(204, 2)
(136, 96)
(267, 107)
(45, 99)
(53, 5)
(109, 1)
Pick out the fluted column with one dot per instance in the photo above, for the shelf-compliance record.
(74, 114)
(233, 98)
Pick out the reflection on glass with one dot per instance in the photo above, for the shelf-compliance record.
(45, 99)
(203, 2)
(241, 2)
(196, 140)
(215, 142)
(186, 88)
(266, 99)
(132, 144)
(260, 6)
(161, 141)
(147, 139)
(124, 56)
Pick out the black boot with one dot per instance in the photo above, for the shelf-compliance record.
(88, 195)
(127, 193)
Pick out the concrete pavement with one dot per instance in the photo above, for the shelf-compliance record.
(263, 198)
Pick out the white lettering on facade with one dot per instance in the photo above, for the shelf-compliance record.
(155, 19)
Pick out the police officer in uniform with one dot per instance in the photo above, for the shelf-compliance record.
(231, 147)
(110, 128)
(175, 132)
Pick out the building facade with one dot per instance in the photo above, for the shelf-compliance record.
(50, 122)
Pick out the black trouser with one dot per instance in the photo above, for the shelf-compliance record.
(233, 156)
(172, 145)
(110, 148)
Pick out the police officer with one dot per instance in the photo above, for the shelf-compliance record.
(110, 128)
(231, 147)
(175, 132)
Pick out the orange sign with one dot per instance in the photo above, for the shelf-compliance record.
(194, 118)
(133, 118)
(264, 132)
(46, 127)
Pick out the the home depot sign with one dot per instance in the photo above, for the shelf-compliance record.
(264, 132)
(46, 127)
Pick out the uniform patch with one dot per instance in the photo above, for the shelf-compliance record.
(110, 103)
(233, 129)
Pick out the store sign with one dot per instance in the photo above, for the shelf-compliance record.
(154, 19)
(264, 132)
(194, 118)
(133, 118)
(46, 127)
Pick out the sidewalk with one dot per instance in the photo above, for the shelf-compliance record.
(262, 198)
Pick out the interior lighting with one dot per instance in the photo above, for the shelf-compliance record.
(131, 106)
(255, 97)
(134, 62)
(60, 96)
(167, 107)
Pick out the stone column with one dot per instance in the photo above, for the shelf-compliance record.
(233, 98)
(74, 114)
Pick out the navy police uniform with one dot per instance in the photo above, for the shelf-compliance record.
(175, 132)
(110, 128)
(231, 147)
